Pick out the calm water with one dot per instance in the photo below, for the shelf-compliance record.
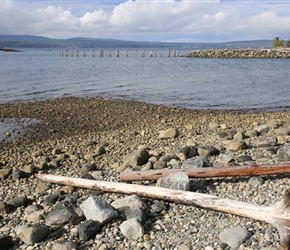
(261, 84)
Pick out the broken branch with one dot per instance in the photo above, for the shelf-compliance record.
(253, 170)
(277, 215)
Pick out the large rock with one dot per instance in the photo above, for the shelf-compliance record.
(132, 229)
(4, 173)
(168, 133)
(18, 201)
(235, 145)
(63, 213)
(225, 158)
(131, 201)
(266, 141)
(88, 167)
(177, 181)
(225, 136)
(159, 165)
(189, 151)
(199, 162)
(34, 234)
(207, 150)
(282, 131)
(4, 208)
(138, 158)
(132, 206)
(88, 229)
(284, 151)
(142, 156)
(138, 213)
(6, 242)
(96, 208)
(262, 129)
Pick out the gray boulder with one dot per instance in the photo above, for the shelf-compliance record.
(34, 234)
(131, 201)
(96, 208)
(177, 181)
(132, 229)
(262, 129)
(88, 229)
(266, 141)
(199, 162)
(63, 213)
(235, 145)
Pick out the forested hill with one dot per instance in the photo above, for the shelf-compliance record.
(23, 41)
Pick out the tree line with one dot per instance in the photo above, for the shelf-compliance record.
(277, 43)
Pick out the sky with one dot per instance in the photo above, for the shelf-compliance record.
(148, 20)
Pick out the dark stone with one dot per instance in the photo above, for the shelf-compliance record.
(91, 143)
(88, 167)
(6, 242)
(19, 174)
(70, 197)
(63, 213)
(243, 158)
(88, 229)
(199, 162)
(18, 201)
(51, 200)
(189, 151)
(142, 155)
(225, 136)
(88, 177)
(158, 207)
(136, 212)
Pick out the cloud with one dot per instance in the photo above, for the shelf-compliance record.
(151, 18)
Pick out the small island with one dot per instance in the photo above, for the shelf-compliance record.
(8, 50)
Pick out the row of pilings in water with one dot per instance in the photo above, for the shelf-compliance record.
(84, 53)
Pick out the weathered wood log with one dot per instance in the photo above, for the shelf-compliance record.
(277, 215)
(253, 170)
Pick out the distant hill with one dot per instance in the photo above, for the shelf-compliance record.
(26, 41)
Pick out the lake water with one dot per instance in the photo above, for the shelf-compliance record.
(193, 83)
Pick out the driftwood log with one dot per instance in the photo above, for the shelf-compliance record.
(277, 215)
(253, 170)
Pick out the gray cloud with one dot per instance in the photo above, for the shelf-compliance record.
(181, 18)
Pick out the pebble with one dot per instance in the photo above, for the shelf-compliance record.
(234, 237)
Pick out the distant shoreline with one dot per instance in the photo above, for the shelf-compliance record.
(9, 50)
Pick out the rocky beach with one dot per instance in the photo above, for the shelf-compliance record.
(98, 139)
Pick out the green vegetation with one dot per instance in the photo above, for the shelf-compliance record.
(277, 43)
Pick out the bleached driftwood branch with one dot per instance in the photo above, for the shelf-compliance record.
(277, 215)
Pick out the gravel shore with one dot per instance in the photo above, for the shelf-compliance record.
(96, 138)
